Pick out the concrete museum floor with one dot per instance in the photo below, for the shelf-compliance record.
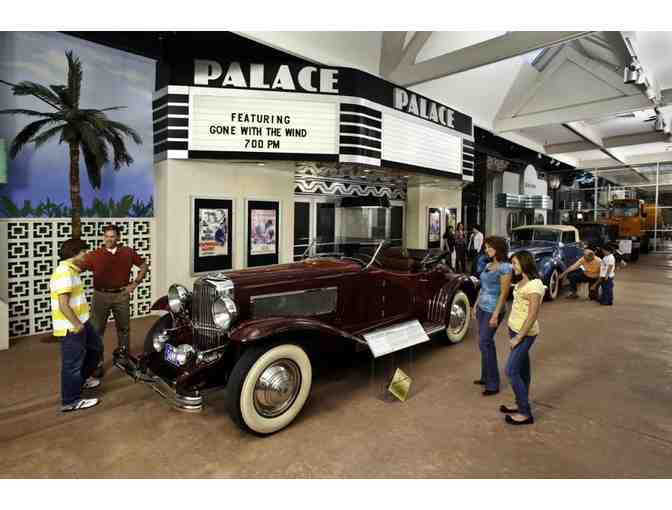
(601, 390)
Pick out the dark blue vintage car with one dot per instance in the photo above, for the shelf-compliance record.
(555, 248)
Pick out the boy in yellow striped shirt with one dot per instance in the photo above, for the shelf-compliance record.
(81, 346)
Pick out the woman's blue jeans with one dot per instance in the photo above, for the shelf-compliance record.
(486, 343)
(519, 372)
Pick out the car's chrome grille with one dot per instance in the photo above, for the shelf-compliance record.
(437, 307)
(206, 334)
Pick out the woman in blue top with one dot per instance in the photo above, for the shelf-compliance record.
(490, 308)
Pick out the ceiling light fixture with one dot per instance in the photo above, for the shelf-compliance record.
(631, 73)
(659, 124)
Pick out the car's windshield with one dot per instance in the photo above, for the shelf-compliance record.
(625, 211)
(533, 234)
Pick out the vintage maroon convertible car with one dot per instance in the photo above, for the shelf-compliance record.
(254, 331)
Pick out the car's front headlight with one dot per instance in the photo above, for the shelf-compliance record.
(224, 312)
(178, 296)
(183, 353)
(159, 341)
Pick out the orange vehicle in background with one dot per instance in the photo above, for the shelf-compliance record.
(633, 218)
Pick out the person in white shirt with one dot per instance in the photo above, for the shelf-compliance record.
(475, 246)
(607, 274)
(476, 240)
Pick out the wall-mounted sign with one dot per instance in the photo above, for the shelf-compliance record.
(223, 122)
(261, 76)
(530, 180)
(422, 107)
(263, 232)
(234, 109)
(212, 226)
(433, 228)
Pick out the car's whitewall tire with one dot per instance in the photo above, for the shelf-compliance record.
(553, 286)
(458, 317)
(268, 387)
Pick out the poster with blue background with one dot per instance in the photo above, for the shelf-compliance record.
(37, 180)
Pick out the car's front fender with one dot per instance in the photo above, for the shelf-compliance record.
(546, 265)
(161, 304)
(259, 329)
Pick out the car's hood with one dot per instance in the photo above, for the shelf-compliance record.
(270, 276)
(536, 248)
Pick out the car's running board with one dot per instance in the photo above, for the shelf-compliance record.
(433, 327)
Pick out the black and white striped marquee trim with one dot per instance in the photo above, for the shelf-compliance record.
(170, 122)
(468, 158)
(360, 137)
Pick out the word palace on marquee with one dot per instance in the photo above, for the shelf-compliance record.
(284, 78)
(423, 108)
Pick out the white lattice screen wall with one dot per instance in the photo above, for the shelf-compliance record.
(33, 246)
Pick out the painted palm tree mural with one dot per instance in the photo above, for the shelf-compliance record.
(88, 133)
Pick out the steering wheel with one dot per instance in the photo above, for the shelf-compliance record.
(430, 260)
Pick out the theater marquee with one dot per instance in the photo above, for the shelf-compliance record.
(238, 110)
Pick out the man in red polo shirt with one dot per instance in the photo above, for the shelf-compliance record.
(111, 265)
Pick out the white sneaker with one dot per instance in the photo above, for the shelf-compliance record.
(82, 403)
(91, 383)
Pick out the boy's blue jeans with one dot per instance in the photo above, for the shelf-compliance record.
(80, 354)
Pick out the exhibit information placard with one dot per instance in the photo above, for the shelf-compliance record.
(394, 338)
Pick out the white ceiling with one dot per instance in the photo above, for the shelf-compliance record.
(580, 80)
(655, 49)
(590, 73)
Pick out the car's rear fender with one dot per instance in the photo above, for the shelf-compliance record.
(466, 284)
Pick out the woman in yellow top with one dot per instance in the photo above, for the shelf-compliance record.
(523, 330)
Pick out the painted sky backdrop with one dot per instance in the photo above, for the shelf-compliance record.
(111, 78)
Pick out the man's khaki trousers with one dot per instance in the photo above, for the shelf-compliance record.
(120, 305)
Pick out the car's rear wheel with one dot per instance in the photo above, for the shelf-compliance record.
(553, 286)
(457, 322)
(268, 387)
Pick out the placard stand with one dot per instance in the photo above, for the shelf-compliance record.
(383, 369)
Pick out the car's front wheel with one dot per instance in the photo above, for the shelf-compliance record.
(553, 286)
(458, 318)
(268, 387)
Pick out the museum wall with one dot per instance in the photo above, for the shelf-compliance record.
(419, 198)
(176, 181)
(37, 180)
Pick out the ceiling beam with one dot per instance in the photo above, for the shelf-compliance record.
(487, 52)
(392, 51)
(666, 96)
(587, 111)
(587, 132)
(413, 48)
(609, 143)
(580, 129)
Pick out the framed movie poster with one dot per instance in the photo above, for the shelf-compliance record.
(212, 238)
(263, 232)
(433, 228)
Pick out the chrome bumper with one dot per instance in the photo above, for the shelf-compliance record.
(185, 403)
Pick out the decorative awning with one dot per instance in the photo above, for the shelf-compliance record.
(513, 201)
